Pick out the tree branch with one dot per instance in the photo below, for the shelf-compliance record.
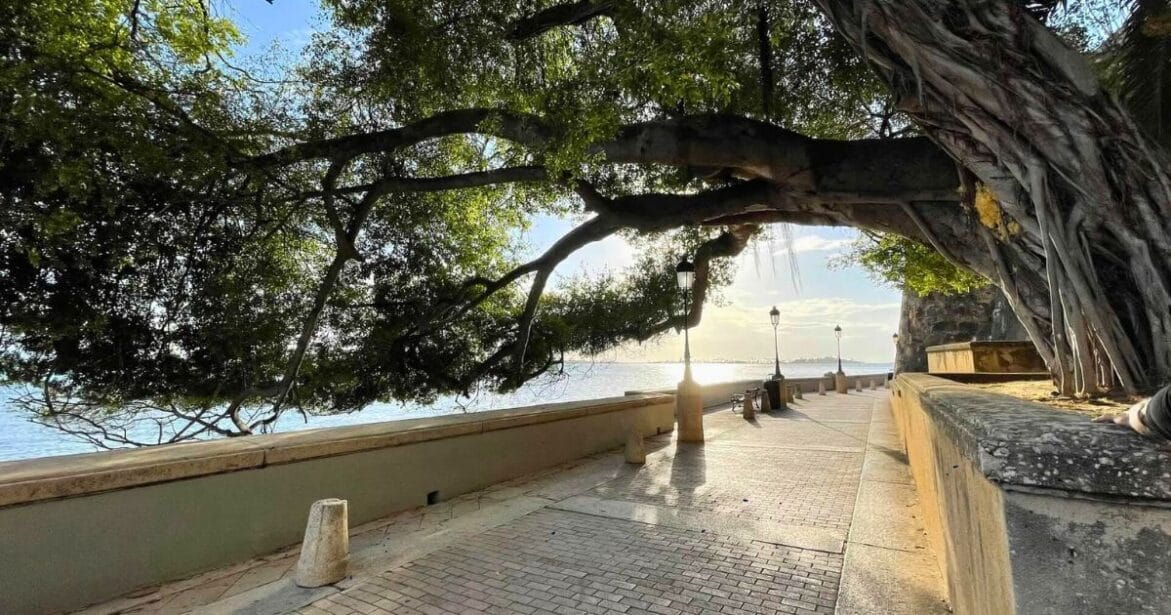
(728, 244)
(569, 14)
(521, 128)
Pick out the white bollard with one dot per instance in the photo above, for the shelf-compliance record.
(635, 448)
(821, 388)
(872, 387)
(858, 385)
(325, 552)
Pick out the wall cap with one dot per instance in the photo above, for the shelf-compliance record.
(974, 344)
(86, 473)
(1018, 442)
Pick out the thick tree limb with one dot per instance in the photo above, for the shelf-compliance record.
(475, 179)
(872, 170)
(516, 127)
(568, 14)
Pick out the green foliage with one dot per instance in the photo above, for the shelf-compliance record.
(903, 263)
(147, 266)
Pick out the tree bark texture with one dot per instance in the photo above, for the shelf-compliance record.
(1076, 220)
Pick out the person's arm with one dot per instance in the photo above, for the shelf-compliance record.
(1149, 417)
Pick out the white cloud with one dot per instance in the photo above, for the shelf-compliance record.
(815, 243)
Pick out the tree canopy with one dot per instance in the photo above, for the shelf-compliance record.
(194, 243)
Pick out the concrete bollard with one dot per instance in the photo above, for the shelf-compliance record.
(635, 448)
(325, 552)
(766, 403)
(840, 384)
(886, 383)
(789, 394)
(872, 387)
(798, 392)
(858, 385)
(821, 387)
(749, 406)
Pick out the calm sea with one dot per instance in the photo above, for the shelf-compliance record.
(21, 438)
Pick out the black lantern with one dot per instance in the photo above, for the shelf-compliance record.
(685, 274)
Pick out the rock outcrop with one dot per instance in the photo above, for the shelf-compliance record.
(934, 319)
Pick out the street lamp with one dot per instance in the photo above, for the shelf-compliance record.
(838, 334)
(775, 316)
(685, 277)
(894, 338)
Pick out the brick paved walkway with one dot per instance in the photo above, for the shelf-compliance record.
(756, 520)
(797, 469)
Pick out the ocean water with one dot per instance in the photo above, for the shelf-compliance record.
(21, 438)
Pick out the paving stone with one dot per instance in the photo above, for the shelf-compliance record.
(528, 554)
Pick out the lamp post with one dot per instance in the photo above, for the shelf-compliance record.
(775, 316)
(776, 387)
(685, 277)
(688, 395)
(838, 334)
(840, 376)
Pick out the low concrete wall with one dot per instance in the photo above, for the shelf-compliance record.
(79, 529)
(715, 394)
(720, 393)
(1033, 510)
(984, 357)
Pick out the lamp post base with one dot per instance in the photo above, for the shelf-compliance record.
(840, 384)
(689, 411)
(775, 389)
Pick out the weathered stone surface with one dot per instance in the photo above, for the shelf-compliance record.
(1016, 442)
(1102, 557)
(930, 320)
(1036, 511)
(821, 388)
(325, 552)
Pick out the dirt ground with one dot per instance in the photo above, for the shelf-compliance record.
(1043, 391)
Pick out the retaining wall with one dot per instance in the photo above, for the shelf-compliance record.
(79, 529)
(720, 393)
(1033, 510)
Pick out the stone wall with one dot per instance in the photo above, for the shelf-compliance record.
(720, 394)
(934, 319)
(79, 529)
(1035, 511)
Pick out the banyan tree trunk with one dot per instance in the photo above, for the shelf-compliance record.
(1073, 200)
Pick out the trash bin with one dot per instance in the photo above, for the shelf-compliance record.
(773, 387)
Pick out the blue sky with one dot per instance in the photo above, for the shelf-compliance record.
(736, 329)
